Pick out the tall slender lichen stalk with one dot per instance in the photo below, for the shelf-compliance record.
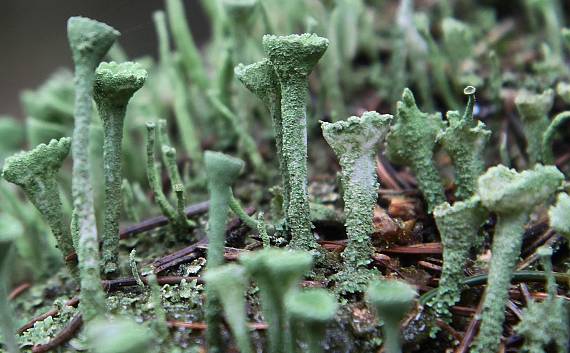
(229, 282)
(309, 312)
(458, 227)
(114, 86)
(512, 196)
(392, 300)
(293, 58)
(35, 172)
(6, 316)
(355, 143)
(89, 41)
(261, 80)
(91, 295)
(411, 142)
(464, 139)
(222, 171)
(277, 272)
(533, 110)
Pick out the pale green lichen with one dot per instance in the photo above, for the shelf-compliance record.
(159, 323)
(563, 91)
(548, 136)
(176, 216)
(114, 86)
(293, 58)
(221, 172)
(392, 300)
(458, 227)
(129, 201)
(49, 108)
(559, 215)
(118, 335)
(309, 312)
(276, 272)
(89, 41)
(92, 304)
(411, 142)
(229, 282)
(512, 196)
(458, 40)
(533, 110)
(355, 142)
(7, 321)
(464, 139)
(548, 322)
(35, 172)
(261, 80)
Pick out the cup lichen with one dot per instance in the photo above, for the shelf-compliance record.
(354, 141)
(114, 86)
(411, 142)
(35, 172)
(511, 196)
(293, 58)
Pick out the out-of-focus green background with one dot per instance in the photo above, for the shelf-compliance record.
(33, 40)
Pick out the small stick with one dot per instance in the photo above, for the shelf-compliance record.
(202, 325)
(19, 290)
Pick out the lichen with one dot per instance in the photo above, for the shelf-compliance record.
(411, 142)
(354, 141)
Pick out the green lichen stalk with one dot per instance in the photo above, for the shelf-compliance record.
(293, 58)
(411, 142)
(458, 227)
(277, 272)
(533, 110)
(464, 139)
(512, 196)
(114, 86)
(229, 282)
(354, 142)
(7, 321)
(310, 310)
(89, 41)
(261, 80)
(35, 172)
(392, 300)
(221, 171)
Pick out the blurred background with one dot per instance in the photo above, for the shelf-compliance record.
(34, 43)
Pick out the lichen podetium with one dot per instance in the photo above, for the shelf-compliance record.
(458, 227)
(355, 142)
(35, 172)
(533, 109)
(277, 272)
(221, 171)
(114, 86)
(7, 321)
(293, 58)
(392, 300)
(261, 80)
(464, 139)
(511, 196)
(89, 41)
(411, 142)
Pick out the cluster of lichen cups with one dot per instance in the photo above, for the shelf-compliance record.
(280, 81)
